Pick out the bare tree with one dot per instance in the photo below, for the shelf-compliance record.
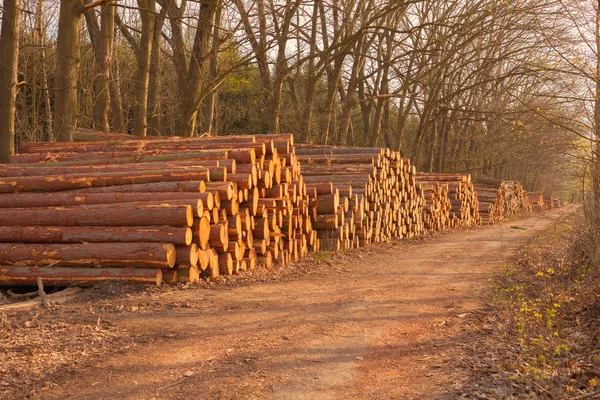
(102, 38)
(9, 43)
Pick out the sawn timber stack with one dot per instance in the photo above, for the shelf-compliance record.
(154, 210)
(151, 210)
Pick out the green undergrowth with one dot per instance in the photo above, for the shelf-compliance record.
(548, 311)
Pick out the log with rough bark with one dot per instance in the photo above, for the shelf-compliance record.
(500, 199)
(80, 181)
(121, 214)
(65, 276)
(255, 200)
(95, 234)
(69, 198)
(97, 255)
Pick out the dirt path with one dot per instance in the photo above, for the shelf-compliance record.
(382, 323)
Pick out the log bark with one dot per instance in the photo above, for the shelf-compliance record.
(9, 57)
(138, 255)
(158, 187)
(12, 275)
(67, 198)
(13, 170)
(79, 181)
(123, 157)
(95, 234)
(67, 66)
(102, 215)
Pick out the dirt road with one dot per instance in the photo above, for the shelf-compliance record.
(388, 322)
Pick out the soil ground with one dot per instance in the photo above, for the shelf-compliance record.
(387, 322)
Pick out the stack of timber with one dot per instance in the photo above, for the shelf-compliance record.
(548, 201)
(492, 195)
(437, 204)
(500, 199)
(518, 200)
(151, 210)
(363, 195)
(451, 200)
(556, 202)
(537, 200)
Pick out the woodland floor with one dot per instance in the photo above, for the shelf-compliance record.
(394, 321)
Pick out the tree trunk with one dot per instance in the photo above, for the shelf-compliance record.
(209, 102)
(596, 149)
(140, 108)
(9, 56)
(102, 38)
(154, 82)
(67, 66)
(197, 70)
(47, 114)
(116, 109)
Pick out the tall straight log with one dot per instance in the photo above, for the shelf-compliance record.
(68, 198)
(95, 234)
(59, 169)
(78, 181)
(117, 158)
(65, 276)
(138, 255)
(192, 186)
(103, 215)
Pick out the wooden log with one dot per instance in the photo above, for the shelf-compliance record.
(219, 235)
(321, 188)
(326, 221)
(7, 170)
(226, 190)
(187, 256)
(139, 255)
(78, 181)
(118, 146)
(266, 260)
(188, 275)
(100, 215)
(225, 264)
(68, 198)
(203, 259)
(12, 275)
(95, 234)
(116, 158)
(328, 203)
(213, 265)
(158, 187)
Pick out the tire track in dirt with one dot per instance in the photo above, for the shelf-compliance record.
(384, 324)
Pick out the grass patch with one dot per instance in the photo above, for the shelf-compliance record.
(546, 317)
(550, 314)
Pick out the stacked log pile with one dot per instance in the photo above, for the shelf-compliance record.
(451, 200)
(151, 210)
(536, 199)
(492, 195)
(154, 210)
(518, 198)
(364, 195)
(548, 201)
(556, 202)
(500, 199)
